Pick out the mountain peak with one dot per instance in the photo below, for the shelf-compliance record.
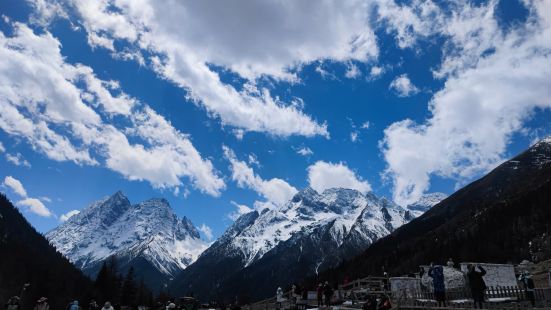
(117, 196)
(546, 140)
(146, 233)
(307, 194)
(118, 202)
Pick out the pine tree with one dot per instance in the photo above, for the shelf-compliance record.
(115, 280)
(128, 296)
(102, 282)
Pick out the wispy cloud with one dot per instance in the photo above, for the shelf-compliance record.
(403, 86)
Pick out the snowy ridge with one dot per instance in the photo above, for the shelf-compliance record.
(541, 158)
(349, 213)
(112, 226)
(309, 234)
(426, 202)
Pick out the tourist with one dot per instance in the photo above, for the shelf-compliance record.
(305, 296)
(93, 305)
(328, 292)
(279, 297)
(478, 286)
(296, 294)
(107, 306)
(421, 271)
(14, 303)
(319, 292)
(450, 263)
(42, 304)
(73, 305)
(439, 288)
(528, 283)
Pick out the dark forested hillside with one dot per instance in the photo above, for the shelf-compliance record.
(27, 257)
(503, 217)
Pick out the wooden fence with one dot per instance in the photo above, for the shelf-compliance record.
(510, 297)
(509, 292)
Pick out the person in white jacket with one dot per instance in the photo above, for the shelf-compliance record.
(279, 297)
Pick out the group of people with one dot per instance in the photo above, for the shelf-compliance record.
(324, 294)
(475, 277)
(14, 303)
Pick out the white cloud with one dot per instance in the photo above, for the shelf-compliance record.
(324, 73)
(240, 210)
(239, 134)
(15, 185)
(354, 136)
(171, 157)
(305, 151)
(45, 199)
(96, 40)
(352, 71)
(253, 160)
(271, 38)
(323, 175)
(375, 72)
(18, 160)
(66, 216)
(41, 103)
(420, 18)
(275, 190)
(2, 149)
(487, 97)
(206, 230)
(365, 125)
(35, 206)
(403, 87)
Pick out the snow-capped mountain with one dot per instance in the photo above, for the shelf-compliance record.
(147, 235)
(310, 233)
(424, 203)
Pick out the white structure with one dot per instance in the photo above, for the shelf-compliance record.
(496, 274)
(404, 287)
(453, 278)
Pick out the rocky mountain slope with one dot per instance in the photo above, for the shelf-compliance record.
(148, 236)
(503, 217)
(27, 257)
(264, 249)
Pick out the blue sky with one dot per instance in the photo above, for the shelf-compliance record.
(225, 109)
